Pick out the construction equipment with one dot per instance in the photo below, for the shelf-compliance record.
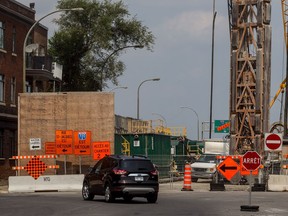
(280, 90)
(250, 33)
(279, 126)
(284, 7)
(285, 23)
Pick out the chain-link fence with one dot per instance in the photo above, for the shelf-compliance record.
(168, 165)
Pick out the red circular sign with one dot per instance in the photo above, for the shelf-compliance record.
(273, 141)
(251, 160)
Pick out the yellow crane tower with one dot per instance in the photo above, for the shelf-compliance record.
(279, 126)
(284, 6)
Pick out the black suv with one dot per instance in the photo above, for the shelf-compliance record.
(122, 176)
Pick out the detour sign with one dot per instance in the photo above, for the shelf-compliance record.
(64, 141)
(82, 141)
(100, 149)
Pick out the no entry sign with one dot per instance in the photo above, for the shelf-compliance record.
(273, 142)
(251, 160)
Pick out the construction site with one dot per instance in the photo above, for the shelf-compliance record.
(42, 115)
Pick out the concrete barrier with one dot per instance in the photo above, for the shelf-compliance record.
(45, 183)
(278, 183)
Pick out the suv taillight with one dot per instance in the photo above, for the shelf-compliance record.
(119, 171)
(154, 172)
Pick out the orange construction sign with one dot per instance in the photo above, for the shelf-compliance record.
(35, 166)
(228, 168)
(50, 148)
(100, 149)
(82, 142)
(64, 141)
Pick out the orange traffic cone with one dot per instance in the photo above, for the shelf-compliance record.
(187, 178)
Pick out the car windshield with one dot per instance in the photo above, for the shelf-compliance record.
(137, 165)
(207, 158)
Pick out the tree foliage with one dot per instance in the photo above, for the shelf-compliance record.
(89, 42)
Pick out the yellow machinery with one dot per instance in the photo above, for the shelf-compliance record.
(282, 86)
(125, 146)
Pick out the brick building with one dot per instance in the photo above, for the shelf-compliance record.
(15, 21)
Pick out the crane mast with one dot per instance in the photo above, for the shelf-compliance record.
(250, 74)
(285, 24)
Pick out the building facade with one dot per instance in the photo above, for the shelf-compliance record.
(15, 21)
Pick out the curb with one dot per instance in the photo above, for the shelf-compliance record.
(4, 188)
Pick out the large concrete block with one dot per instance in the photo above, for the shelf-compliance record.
(45, 183)
(278, 183)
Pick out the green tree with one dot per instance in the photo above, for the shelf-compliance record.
(88, 43)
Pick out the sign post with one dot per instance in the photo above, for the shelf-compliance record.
(251, 162)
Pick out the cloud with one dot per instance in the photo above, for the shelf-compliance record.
(197, 25)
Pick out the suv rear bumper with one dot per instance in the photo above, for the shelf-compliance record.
(134, 190)
(138, 190)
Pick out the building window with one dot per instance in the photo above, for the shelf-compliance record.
(14, 40)
(29, 60)
(2, 88)
(1, 143)
(2, 28)
(28, 87)
(12, 143)
(13, 90)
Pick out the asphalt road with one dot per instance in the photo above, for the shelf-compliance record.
(171, 201)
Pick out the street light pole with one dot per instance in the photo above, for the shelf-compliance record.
(155, 79)
(27, 35)
(197, 119)
(118, 87)
(212, 70)
(110, 55)
(161, 117)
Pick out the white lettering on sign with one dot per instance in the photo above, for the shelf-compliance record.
(251, 160)
(273, 142)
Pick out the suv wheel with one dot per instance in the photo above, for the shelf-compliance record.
(86, 192)
(152, 198)
(108, 194)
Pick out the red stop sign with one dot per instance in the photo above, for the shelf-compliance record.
(251, 160)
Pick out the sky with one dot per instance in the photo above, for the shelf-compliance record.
(181, 58)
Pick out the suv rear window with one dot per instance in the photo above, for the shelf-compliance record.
(137, 165)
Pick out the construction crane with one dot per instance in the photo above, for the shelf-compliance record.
(279, 126)
(284, 7)
(285, 23)
(250, 34)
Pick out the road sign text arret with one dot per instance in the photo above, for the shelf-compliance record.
(251, 161)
